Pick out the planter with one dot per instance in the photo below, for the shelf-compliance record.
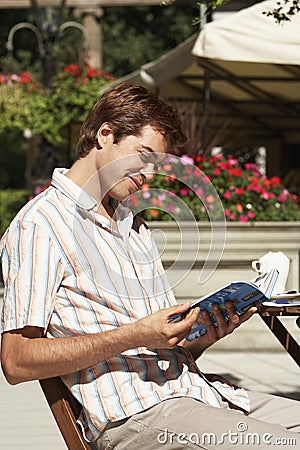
(183, 254)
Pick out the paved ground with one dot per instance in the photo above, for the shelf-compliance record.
(26, 422)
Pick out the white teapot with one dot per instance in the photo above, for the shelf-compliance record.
(274, 260)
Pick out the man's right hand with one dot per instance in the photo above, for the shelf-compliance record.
(157, 331)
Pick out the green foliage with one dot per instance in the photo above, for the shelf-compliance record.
(26, 54)
(133, 36)
(11, 201)
(284, 10)
(27, 106)
(213, 4)
(12, 160)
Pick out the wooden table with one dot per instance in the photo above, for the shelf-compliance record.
(270, 315)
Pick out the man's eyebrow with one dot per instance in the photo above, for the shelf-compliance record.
(148, 148)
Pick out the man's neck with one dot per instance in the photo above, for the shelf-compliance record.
(84, 173)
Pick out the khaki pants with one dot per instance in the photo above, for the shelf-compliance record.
(179, 423)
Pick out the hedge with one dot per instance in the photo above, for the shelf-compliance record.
(11, 201)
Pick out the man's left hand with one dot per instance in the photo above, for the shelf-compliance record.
(214, 334)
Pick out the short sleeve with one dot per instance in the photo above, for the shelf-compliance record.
(32, 273)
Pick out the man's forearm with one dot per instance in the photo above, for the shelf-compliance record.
(38, 358)
(26, 355)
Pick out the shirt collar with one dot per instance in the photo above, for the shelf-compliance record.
(84, 200)
(65, 185)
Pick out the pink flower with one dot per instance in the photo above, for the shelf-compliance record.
(185, 160)
(15, 77)
(199, 192)
(243, 219)
(173, 159)
(184, 192)
(227, 195)
(217, 171)
(146, 194)
(282, 198)
(239, 191)
(232, 161)
(251, 166)
(161, 197)
(267, 195)
(251, 215)
(170, 208)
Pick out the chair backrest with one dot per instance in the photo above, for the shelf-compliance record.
(65, 410)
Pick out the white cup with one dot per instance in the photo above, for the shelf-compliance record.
(274, 260)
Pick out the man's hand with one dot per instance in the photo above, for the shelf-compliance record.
(156, 330)
(214, 334)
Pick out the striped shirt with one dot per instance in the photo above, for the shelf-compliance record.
(67, 271)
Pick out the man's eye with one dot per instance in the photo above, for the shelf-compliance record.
(145, 157)
(150, 158)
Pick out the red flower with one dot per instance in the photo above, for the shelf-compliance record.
(134, 200)
(90, 71)
(197, 173)
(237, 172)
(25, 77)
(275, 181)
(73, 69)
(223, 165)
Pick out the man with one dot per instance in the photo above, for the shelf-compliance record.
(80, 270)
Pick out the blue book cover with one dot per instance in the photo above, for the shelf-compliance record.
(243, 294)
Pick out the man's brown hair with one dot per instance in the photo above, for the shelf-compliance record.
(128, 108)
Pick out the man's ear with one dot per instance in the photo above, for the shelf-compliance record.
(105, 134)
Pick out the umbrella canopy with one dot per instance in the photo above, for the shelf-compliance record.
(251, 36)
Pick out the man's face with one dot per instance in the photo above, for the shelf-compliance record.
(126, 166)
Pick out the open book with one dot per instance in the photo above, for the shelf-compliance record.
(243, 294)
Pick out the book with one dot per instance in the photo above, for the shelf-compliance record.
(243, 294)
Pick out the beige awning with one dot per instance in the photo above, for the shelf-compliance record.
(251, 36)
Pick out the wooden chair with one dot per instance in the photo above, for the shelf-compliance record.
(65, 409)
